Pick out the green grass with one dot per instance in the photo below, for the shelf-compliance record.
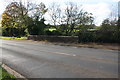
(4, 75)
(52, 29)
(1, 37)
(0, 73)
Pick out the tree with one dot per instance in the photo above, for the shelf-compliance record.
(109, 25)
(55, 14)
(6, 19)
(19, 17)
(76, 18)
(13, 18)
(85, 18)
(37, 26)
(38, 11)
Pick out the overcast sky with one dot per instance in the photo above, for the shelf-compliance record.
(101, 9)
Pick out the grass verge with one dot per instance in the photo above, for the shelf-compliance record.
(22, 38)
(4, 75)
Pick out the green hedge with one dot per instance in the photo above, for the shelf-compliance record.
(100, 36)
(13, 32)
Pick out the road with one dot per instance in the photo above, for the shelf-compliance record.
(38, 60)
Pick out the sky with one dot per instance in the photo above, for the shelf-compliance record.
(101, 9)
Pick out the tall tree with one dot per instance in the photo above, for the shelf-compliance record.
(37, 18)
(109, 25)
(75, 16)
(16, 13)
(55, 14)
(38, 11)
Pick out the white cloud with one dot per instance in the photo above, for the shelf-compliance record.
(100, 11)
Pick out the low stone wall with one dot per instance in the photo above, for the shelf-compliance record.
(65, 39)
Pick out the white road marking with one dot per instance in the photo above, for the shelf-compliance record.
(65, 54)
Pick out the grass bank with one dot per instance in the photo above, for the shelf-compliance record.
(22, 38)
(4, 75)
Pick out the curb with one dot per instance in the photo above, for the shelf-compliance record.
(13, 72)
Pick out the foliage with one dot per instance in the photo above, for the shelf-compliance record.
(35, 23)
(109, 25)
(5, 75)
(13, 22)
(108, 32)
(99, 36)
(6, 19)
(38, 11)
(54, 32)
(36, 27)
(16, 22)
(86, 37)
(75, 18)
(69, 19)
(20, 20)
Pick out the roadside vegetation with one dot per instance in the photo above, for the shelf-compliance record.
(4, 75)
(21, 38)
(19, 20)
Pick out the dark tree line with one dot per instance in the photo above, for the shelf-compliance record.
(19, 19)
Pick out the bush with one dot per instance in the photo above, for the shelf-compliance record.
(99, 36)
(54, 32)
(47, 32)
(86, 37)
(13, 32)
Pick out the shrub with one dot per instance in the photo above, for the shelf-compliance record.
(47, 32)
(99, 36)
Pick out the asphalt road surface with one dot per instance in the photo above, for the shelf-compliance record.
(37, 60)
